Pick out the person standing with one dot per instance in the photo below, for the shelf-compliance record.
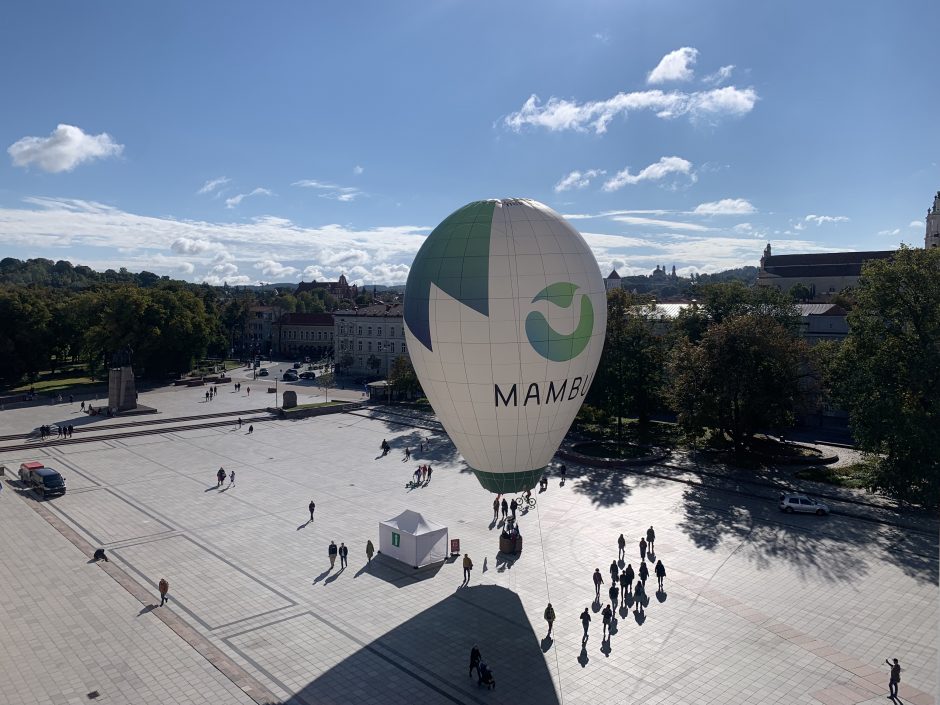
(343, 553)
(621, 548)
(550, 618)
(248, 390)
(613, 571)
(332, 552)
(639, 595)
(513, 506)
(630, 576)
(164, 587)
(614, 593)
(894, 679)
(239, 421)
(504, 507)
(598, 581)
(650, 538)
(585, 622)
(624, 587)
(607, 613)
(312, 506)
(644, 573)
(496, 508)
(370, 549)
(220, 476)
(231, 479)
(660, 571)
(475, 659)
(251, 429)
(642, 549)
(467, 567)
(430, 470)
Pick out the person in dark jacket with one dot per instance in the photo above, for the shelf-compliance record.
(644, 572)
(332, 553)
(475, 659)
(660, 571)
(621, 547)
(630, 575)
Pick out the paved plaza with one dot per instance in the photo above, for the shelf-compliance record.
(758, 607)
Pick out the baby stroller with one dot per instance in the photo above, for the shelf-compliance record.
(486, 677)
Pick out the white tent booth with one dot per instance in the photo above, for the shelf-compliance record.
(412, 539)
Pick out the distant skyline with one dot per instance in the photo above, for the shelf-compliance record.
(237, 142)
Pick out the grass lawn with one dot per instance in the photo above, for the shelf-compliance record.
(67, 383)
(852, 476)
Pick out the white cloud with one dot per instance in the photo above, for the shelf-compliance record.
(674, 66)
(608, 214)
(357, 170)
(916, 224)
(275, 270)
(578, 179)
(190, 246)
(657, 223)
(726, 206)
(347, 258)
(63, 150)
(558, 114)
(662, 168)
(390, 273)
(822, 219)
(237, 199)
(337, 193)
(313, 272)
(720, 76)
(186, 267)
(212, 184)
(890, 232)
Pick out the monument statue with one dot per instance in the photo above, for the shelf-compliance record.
(122, 392)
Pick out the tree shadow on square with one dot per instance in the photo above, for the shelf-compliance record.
(489, 616)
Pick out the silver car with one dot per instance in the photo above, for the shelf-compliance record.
(801, 503)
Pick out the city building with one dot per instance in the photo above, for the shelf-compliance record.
(369, 339)
(341, 289)
(259, 329)
(305, 335)
(932, 238)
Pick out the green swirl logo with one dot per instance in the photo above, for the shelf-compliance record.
(548, 342)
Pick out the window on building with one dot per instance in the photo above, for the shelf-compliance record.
(360, 346)
(370, 331)
(370, 346)
(378, 331)
(360, 330)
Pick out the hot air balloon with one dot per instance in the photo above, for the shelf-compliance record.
(505, 316)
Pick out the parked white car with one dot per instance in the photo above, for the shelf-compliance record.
(801, 503)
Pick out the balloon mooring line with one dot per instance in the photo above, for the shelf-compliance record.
(538, 514)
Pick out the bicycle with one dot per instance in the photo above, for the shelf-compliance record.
(524, 501)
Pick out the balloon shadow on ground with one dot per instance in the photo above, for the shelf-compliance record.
(489, 616)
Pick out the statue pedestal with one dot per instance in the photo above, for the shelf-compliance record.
(122, 393)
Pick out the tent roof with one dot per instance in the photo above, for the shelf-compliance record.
(413, 523)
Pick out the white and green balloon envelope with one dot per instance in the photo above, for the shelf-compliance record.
(505, 316)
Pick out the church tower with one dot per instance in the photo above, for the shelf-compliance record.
(932, 238)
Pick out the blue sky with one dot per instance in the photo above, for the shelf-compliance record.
(248, 142)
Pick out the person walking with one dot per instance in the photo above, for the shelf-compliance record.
(164, 587)
(312, 506)
(660, 571)
(332, 552)
(894, 679)
(504, 507)
(251, 429)
(231, 479)
(585, 622)
(621, 548)
(550, 618)
(614, 593)
(430, 470)
(624, 587)
(614, 572)
(407, 454)
(630, 576)
(642, 549)
(639, 595)
(513, 506)
(496, 509)
(239, 421)
(644, 573)
(82, 407)
(220, 476)
(343, 553)
(650, 538)
(598, 581)
(475, 659)
(607, 613)
(370, 549)
(467, 567)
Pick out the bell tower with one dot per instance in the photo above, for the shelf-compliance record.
(932, 238)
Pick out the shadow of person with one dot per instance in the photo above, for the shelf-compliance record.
(650, 556)
(145, 610)
(364, 569)
(613, 628)
(333, 577)
(304, 525)
(547, 644)
(620, 563)
(561, 484)
(640, 616)
(583, 657)
(209, 489)
(321, 576)
(661, 595)
(605, 647)
(485, 568)
(624, 611)
(596, 605)
(492, 525)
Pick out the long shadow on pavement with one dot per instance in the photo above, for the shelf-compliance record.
(425, 659)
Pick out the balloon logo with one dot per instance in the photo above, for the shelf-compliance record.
(505, 316)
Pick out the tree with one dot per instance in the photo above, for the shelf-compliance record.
(887, 372)
(375, 363)
(402, 376)
(744, 375)
(800, 292)
(725, 300)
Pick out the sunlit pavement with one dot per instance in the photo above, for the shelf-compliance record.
(758, 607)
